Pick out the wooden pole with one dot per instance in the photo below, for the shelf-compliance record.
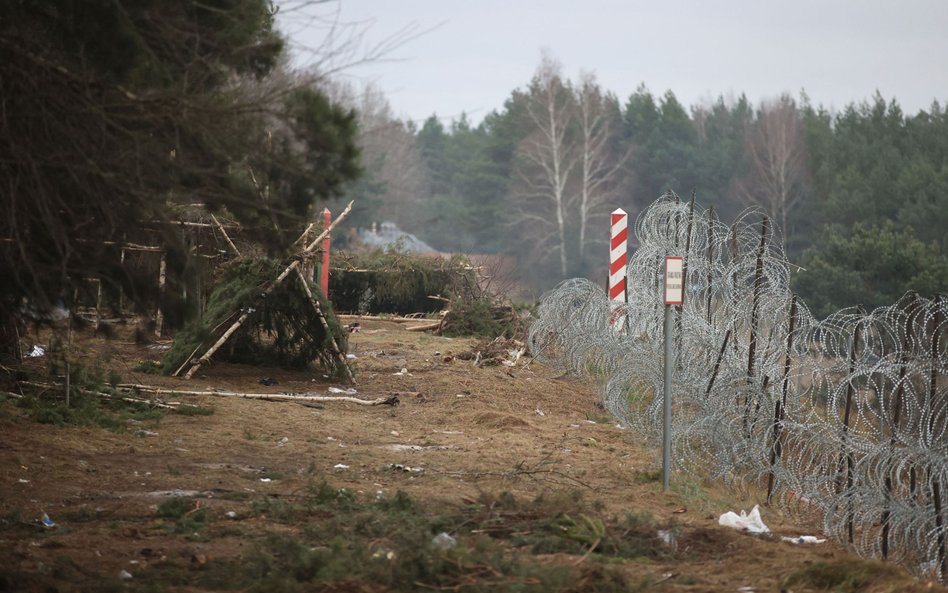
(717, 363)
(845, 454)
(781, 405)
(755, 313)
(327, 242)
(220, 227)
(896, 417)
(340, 357)
(937, 320)
(98, 304)
(710, 259)
(162, 277)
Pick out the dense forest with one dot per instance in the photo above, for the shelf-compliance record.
(860, 194)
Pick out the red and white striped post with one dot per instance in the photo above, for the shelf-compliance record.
(618, 260)
(324, 271)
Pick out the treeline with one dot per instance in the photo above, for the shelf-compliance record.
(861, 195)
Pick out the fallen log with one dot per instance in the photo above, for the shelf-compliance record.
(389, 400)
(425, 327)
(379, 318)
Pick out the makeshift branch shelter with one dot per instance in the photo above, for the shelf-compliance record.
(263, 315)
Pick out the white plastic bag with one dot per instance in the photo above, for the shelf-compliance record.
(745, 522)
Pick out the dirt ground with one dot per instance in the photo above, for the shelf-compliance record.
(461, 434)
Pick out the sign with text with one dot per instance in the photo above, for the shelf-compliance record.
(674, 280)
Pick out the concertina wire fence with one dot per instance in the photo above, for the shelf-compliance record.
(844, 420)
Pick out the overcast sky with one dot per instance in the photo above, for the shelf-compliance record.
(467, 56)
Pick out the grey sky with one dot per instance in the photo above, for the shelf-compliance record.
(475, 53)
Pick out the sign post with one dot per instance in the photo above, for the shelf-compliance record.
(674, 295)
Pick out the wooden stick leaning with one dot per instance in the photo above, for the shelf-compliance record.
(425, 327)
(220, 227)
(315, 243)
(340, 357)
(246, 313)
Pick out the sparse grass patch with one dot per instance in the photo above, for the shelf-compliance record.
(850, 575)
(189, 410)
(647, 476)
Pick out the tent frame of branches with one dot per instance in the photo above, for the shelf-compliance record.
(250, 310)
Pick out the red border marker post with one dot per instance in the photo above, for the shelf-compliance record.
(324, 271)
(618, 261)
(674, 287)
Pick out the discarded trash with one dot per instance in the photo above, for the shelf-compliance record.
(349, 391)
(745, 589)
(36, 352)
(124, 574)
(804, 539)
(175, 493)
(47, 522)
(268, 381)
(668, 538)
(22, 481)
(539, 412)
(443, 541)
(354, 327)
(745, 522)
(400, 447)
(230, 514)
(402, 373)
(266, 480)
(383, 553)
(351, 357)
(406, 468)
(340, 466)
(283, 441)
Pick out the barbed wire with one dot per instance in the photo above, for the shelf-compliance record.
(844, 419)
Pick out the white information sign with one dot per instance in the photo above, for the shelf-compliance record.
(674, 281)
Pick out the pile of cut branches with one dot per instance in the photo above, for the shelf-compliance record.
(400, 283)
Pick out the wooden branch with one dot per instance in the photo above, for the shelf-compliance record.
(390, 400)
(425, 327)
(162, 277)
(220, 227)
(206, 225)
(126, 398)
(340, 357)
(379, 318)
(328, 229)
(186, 361)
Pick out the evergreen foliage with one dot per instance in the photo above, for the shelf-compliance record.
(281, 330)
(873, 265)
(114, 111)
(395, 282)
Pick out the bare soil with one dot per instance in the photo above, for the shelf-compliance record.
(461, 434)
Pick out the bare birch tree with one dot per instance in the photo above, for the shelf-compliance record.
(546, 160)
(600, 164)
(390, 156)
(775, 149)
